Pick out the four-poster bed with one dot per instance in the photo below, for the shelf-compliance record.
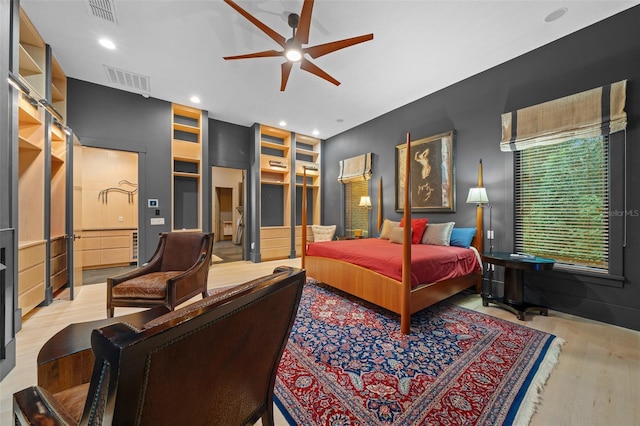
(394, 294)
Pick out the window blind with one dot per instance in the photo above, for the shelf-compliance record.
(356, 217)
(583, 115)
(355, 169)
(562, 202)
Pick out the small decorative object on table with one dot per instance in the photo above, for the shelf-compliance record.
(515, 264)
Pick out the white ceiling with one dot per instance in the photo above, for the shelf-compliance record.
(419, 47)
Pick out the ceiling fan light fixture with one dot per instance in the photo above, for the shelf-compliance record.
(292, 52)
(292, 48)
(293, 55)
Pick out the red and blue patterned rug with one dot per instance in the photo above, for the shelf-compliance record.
(346, 363)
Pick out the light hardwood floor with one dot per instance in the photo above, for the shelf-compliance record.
(596, 381)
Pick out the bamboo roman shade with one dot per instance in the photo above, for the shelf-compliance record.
(586, 114)
(355, 169)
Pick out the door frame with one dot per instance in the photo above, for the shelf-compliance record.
(141, 151)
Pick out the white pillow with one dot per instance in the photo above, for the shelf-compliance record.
(387, 226)
(397, 235)
(438, 234)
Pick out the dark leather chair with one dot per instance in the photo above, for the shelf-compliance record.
(177, 271)
(211, 362)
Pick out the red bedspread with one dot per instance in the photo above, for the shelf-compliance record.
(428, 263)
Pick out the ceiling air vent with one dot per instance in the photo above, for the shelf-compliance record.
(103, 9)
(135, 82)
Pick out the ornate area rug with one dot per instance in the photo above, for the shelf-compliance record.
(346, 363)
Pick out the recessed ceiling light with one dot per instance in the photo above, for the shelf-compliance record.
(556, 14)
(282, 123)
(106, 43)
(195, 99)
(315, 132)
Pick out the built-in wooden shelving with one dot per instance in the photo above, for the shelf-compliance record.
(31, 239)
(186, 149)
(275, 188)
(286, 159)
(32, 58)
(41, 142)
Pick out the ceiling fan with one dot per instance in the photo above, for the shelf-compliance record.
(292, 48)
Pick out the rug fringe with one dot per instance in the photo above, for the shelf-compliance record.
(532, 398)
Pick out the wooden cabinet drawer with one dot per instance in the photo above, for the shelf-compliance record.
(90, 240)
(90, 258)
(58, 263)
(113, 256)
(31, 270)
(30, 256)
(275, 253)
(31, 278)
(275, 232)
(107, 247)
(115, 241)
(58, 246)
(31, 298)
(275, 242)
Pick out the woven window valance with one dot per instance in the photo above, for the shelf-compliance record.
(355, 169)
(586, 114)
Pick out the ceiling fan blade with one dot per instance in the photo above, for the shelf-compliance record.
(255, 21)
(323, 49)
(309, 66)
(263, 54)
(302, 33)
(286, 70)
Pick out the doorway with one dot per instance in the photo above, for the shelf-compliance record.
(228, 214)
(109, 212)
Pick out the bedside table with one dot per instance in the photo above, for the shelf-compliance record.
(514, 269)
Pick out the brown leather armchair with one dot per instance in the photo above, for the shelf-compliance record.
(177, 271)
(211, 362)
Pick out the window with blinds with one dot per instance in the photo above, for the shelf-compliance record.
(562, 202)
(356, 217)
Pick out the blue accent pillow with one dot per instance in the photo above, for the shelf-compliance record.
(461, 237)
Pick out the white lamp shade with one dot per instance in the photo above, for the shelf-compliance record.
(365, 201)
(478, 195)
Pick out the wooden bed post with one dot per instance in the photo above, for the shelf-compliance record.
(480, 242)
(304, 216)
(379, 204)
(405, 314)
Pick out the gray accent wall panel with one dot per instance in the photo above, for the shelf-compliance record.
(229, 145)
(114, 119)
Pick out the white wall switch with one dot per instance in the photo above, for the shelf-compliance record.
(490, 235)
(120, 219)
(157, 220)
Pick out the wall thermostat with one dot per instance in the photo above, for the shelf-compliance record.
(152, 203)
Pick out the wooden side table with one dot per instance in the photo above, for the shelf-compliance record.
(66, 359)
(514, 269)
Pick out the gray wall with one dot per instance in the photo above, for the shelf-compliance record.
(114, 119)
(229, 145)
(606, 52)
